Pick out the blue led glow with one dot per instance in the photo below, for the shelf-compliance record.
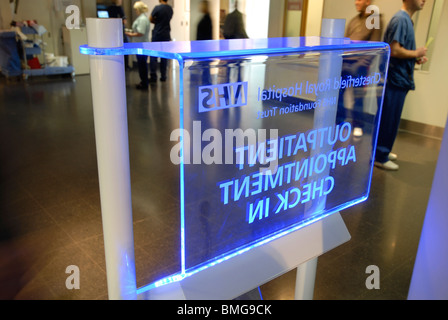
(181, 50)
(182, 178)
(183, 275)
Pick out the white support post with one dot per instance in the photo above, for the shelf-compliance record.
(333, 28)
(305, 278)
(430, 275)
(112, 146)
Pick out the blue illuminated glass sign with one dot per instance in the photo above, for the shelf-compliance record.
(275, 134)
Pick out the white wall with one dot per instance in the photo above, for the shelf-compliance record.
(430, 276)
(429, 103)
(257, 18)
(214, 7)
(195, 17)
(293, 23)
(180, 23)
(276, 18)
(314, 17)
(5, 13)
(241, 5)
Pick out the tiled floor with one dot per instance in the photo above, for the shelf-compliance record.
(50, 199)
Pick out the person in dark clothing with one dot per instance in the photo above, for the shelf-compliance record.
(160, 17)
(355, 66)
(205, 29)
(205, 32)
(116, 11)
(234, 25)
(234, 29)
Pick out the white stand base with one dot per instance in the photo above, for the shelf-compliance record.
(238, 275)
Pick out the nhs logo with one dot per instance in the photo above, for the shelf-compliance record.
(222, 96)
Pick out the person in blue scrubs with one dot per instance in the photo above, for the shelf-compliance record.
(404, 55)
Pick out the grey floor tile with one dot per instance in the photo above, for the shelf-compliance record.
(51, 200)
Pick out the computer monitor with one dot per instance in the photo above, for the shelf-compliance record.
(103, 14)
(101, 11)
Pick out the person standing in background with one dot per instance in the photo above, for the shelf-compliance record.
(116, 11)
(234, 29)
(400, 36)
(140, 33)
(205, 32)
(234, 25)
(205, 29)
(161, 16)
(357, 30)
(357, 27)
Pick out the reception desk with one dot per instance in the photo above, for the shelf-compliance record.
(275, 137)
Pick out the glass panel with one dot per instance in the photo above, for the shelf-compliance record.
(274, 134)
(272, 143)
